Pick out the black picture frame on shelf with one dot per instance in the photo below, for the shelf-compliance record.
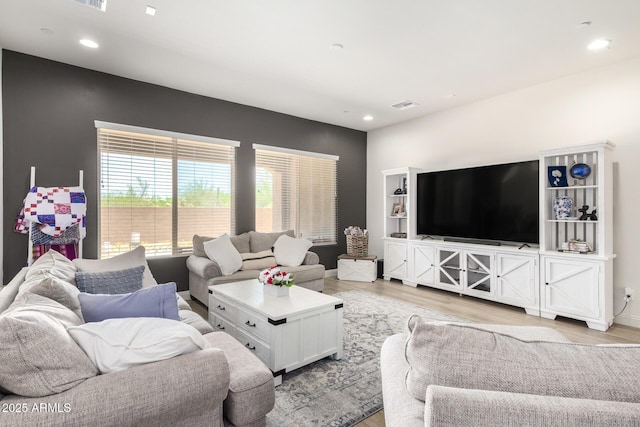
(557, 176)
(404, 185)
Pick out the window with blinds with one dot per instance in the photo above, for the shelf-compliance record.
(296, 190)
(158, 189)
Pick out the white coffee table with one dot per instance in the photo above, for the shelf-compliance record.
(284, 332)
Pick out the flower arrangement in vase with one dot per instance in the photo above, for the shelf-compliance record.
(276, 282)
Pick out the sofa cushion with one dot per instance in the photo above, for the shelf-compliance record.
(117, 344)
(290, 252)
(251, 389)
(264, 241)
(158, 301)
(130, 259)
(193, 319)
(241, 243)
(306, 273)
(39, 357)
(55, 289)
(258, 261)
(111, 282)
(52, 264)
(222, 251)
(465, 356)
(235, 277)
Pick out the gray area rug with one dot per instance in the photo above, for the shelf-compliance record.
(344, 392)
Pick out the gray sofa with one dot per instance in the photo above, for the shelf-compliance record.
(222, 385)
(494, 375)
(204, 272)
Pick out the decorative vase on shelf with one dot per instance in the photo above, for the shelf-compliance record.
(562, 206)
(276, 291)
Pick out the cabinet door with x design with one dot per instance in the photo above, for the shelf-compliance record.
(571, 288)
(516, 277)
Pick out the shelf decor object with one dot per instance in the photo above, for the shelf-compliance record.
(580, 171)
(557, 176)
(562, 207)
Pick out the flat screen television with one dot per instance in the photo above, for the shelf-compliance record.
(497, 203)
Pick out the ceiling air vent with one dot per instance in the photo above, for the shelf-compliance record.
(404, 105)
(95, 4)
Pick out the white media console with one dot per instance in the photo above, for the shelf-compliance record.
(543, 280)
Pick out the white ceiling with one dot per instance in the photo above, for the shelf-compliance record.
(275, 54)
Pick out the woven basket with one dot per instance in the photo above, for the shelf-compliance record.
(358, 246)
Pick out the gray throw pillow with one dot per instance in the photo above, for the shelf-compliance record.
(463, 356)
(39, 357)
(56, 289)
(111, 282)
(157, 301)
(241, 243)
(264, 241)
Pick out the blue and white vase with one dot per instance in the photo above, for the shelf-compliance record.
(562, 206)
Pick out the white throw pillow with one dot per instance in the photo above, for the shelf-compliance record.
(290, 252)
(222, 251)
(133, 258)
(116, 344)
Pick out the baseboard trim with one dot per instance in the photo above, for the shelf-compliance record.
(331, 273)
(628, 320)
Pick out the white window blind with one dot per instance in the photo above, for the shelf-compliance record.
(296, 190)
(158, 191)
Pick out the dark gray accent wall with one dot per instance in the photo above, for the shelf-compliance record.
(49, 110)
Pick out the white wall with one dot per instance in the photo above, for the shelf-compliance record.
(597, 105)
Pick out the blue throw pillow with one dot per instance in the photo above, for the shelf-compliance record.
(156, 301)
(110, 282)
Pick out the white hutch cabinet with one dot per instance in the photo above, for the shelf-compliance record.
(578, 285)
(399, 220)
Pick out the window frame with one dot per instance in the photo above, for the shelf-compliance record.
(177, 139)
(308, 154)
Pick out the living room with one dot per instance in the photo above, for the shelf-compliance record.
(50, 103)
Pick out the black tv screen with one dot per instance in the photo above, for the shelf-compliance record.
(497, 202)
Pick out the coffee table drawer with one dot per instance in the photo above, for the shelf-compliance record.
(222, 308)
(259, 348)
(221, 325)
(252, 324)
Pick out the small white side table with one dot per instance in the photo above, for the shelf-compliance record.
(358, 269)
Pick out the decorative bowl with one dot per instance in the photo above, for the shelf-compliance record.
(580, 171)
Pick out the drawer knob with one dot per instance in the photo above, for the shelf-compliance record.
(221, 308)
(219, 326)
(249, 324)
(250, 347)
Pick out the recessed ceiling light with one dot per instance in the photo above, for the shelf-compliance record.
(367, 118)
(451, 95)
(583, 25)
(599, 44)
(150, 11)
(89, 43)
(336, 46)
(46, 31)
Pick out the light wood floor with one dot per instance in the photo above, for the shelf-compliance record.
(479, 311)
(475, 310)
